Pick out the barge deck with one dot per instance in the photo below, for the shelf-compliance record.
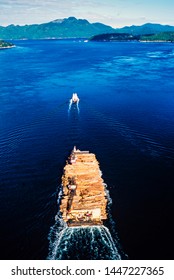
(84, 197)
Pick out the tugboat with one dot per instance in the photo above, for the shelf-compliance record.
(75, 98)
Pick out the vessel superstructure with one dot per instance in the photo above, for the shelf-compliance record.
(75, 98)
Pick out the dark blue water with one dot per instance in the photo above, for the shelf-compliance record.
(126, 118)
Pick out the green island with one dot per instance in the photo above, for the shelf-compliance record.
(114, 37)
(127, 37)
(160, 37)
(5, 45)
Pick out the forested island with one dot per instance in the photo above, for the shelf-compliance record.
(113, 37)
(119, 37)
(160, 37)
(5, 45)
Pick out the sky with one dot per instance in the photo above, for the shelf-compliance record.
(116, 13)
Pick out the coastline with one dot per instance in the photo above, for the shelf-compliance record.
(8, 47)
(88, 40)
(155, 41)
(132, 41)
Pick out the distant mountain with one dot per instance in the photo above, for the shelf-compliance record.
(75, 28)
(60, 28)
(148, 28)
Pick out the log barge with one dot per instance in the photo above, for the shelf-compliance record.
(84, 196)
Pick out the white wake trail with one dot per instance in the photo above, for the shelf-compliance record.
(93, 243)
(70, 105)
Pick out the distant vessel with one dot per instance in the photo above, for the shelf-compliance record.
(75, 98)
(84, 196)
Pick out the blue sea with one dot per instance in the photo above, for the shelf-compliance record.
(125, 117)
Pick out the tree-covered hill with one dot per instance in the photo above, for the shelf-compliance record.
(4, 44)
(163, 36)
(113, 37)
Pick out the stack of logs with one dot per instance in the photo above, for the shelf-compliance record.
(88, 200)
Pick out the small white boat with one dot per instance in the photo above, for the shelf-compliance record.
(75, 98)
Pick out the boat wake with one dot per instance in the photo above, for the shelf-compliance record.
(82, 243)
(70, 104)
(74, 101)
(73, 105)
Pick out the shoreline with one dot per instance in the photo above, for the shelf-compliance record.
(8, 47)
(104, 41)
(133, 41)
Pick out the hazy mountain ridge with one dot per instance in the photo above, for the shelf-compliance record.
(66, 28)
(147, 28)
(75, 28)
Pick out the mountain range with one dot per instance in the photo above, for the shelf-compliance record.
(75, 28)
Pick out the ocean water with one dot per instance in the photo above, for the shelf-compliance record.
(125, 117)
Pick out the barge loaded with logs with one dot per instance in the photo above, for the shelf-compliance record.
(84, 198)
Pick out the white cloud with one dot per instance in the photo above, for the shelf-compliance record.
(111, 12)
